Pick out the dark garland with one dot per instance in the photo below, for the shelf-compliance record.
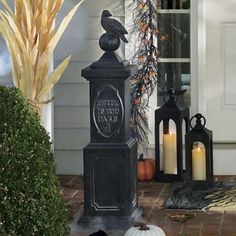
(145, 79)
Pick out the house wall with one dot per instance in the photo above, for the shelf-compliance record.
(71, 104)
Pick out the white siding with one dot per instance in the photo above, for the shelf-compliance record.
(69, 161)
(71, 94)
(69, 117)
(6, 79)
(5, 67)
(71, 106)
(71, 139)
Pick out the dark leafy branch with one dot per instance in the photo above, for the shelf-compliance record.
(144, 81)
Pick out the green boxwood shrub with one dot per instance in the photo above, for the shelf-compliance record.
(30, 200)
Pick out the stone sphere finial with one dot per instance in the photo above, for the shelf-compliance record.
(109, 42)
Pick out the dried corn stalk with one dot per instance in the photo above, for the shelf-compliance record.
(31, 39)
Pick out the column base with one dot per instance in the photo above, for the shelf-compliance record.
(111, 222)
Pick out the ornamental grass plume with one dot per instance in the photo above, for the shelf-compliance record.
(31, 38)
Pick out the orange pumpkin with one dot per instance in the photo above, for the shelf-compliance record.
(146, 168)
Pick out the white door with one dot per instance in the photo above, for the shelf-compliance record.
(220, 77)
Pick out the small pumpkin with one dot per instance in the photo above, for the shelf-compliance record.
(146, 168)
(144, 230)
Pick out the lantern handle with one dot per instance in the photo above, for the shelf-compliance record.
(173, 97)
(199, 124)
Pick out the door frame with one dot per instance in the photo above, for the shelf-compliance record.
(198, 57)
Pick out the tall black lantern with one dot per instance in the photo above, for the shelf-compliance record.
(168, 139)
(199, 153)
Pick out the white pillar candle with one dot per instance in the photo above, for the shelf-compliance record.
(169, 154)
(198, 163)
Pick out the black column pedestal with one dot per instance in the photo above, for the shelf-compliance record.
(110, 185)
(110, 159)
(111, 222)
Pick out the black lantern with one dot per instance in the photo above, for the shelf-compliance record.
(169, 137)
(199, 153)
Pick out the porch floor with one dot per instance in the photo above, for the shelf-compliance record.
(152, 196)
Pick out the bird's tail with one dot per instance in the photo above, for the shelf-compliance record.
(123, 38)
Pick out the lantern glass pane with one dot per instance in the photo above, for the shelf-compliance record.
(161, 128)
(170, 149)
(172, 127)
(184, 131)
(198, 161)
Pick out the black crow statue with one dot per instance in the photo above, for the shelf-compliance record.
(113, 26)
